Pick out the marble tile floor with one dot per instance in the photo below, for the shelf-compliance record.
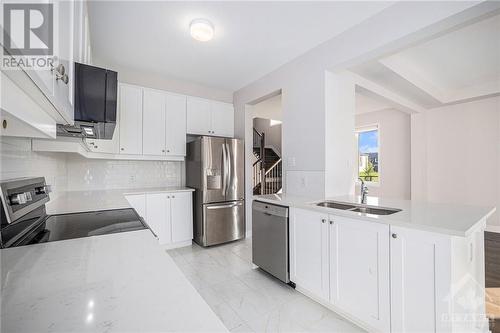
(247, 299)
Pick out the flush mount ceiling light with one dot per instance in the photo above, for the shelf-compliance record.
(202, 30)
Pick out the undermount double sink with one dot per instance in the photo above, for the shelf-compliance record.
(358, 208)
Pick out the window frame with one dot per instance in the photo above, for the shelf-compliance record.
(368, 128)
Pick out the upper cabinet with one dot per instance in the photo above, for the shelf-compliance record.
(175, 137)
(164, 123)
(154, 122)
(198, 116)
(45, 96)
(206, 117)
(222, 119)
(130, 118)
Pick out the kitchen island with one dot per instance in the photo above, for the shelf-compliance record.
(122, 282)
(419, 268)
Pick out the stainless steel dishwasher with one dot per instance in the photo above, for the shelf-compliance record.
(270, 239)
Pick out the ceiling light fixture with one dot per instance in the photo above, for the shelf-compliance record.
(202, 30)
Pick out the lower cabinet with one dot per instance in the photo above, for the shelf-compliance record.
(138, 202)
(181, 217)
(388, 278)
(420, 278)
(309, 251)
(168, 214)
(359, 270)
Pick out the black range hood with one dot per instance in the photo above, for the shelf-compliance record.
(95, 103)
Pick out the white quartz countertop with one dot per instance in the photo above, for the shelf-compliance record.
(122, 282)
(85, 201)
(456, 220)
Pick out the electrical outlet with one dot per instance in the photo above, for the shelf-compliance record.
(303, 182)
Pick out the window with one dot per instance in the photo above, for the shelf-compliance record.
(368, 153)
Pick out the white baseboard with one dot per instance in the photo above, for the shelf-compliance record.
(176, 245)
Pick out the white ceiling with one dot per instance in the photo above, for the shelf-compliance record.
(460, 65)
(251, 38)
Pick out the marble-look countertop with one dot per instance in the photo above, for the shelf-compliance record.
(85, 201)
(121, 282)
(455, 220)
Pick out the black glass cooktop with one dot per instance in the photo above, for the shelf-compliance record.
(77, 225)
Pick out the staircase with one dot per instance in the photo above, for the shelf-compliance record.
(267, 169)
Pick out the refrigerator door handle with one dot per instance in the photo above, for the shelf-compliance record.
(224, 170)
(232, 205)
(229, 167)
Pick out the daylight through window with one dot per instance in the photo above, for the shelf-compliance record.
(368, 153)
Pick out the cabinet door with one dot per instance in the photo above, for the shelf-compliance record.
(309, 251)
(138, 202)
(130, 115)
(181, 216)
(158, 216)
(153, 127)
(222, 119)
(198, 116)
(359, 270)
(176, 125)
(64, 25)
(420, 280)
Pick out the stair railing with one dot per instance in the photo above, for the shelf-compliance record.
(259, 141)
(273, 178)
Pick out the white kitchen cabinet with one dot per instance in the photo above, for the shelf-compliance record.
(205, 117)
(170, 217)
(420, 280)
(175, 125)
(138, 202)
(181, 210)
(130, 117)
(199, 119)
(154, 122)
(64, 28)
(222, 119)
(309, 252)
(359, 270)
(158, 216)
(164, 123)
(54, 90)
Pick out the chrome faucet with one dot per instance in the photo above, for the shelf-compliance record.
(363, 190)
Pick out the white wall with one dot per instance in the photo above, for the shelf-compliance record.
(272, 133)
(458, 154)
(394, 154)
(269, 108)
(154, 80)
(306, 87)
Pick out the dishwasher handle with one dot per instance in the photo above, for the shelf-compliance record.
(270, 209)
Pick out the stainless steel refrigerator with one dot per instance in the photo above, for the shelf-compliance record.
(215, 168)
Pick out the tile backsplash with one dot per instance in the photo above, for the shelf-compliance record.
(17, 160)
(90, 174)
(73, 172)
